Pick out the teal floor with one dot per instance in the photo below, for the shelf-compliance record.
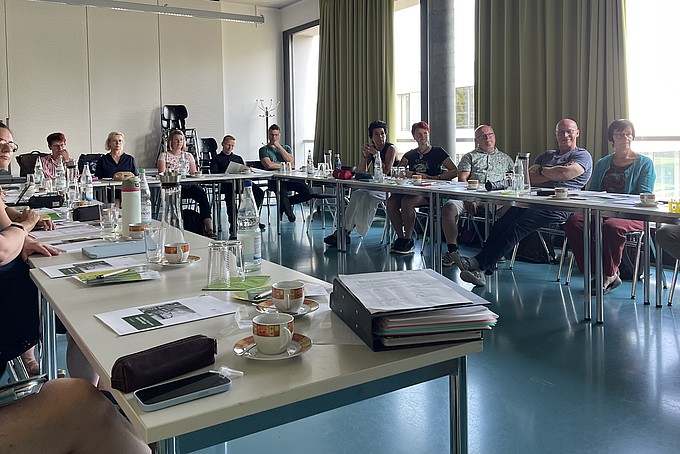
(546, 382)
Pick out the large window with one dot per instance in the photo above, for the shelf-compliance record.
(653, 72)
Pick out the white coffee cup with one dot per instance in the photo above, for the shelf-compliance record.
(176, 252)
(473, 184)
(288, 296)
(647, 198)
(561, 193)
(272, 332)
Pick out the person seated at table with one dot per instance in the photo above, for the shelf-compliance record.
(56, 142)
(171, 160)
(484, 163)
(363, 203)
(116, 162)
(219, 164)
(272, 156)
(427, 161)
(668, 238)
(568, 167)
(621, 172)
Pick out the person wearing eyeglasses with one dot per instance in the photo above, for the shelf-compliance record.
(427, 161)
(56, 142)
(621, 172)
(568, 167)
(484, 163)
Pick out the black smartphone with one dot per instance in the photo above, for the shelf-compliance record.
(183, 390)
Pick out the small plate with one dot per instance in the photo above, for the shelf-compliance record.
(247, 348)
(190, 260)
(307, 307)
(647, 205)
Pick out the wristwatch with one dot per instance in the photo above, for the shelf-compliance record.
(18, 226)
(540, 170)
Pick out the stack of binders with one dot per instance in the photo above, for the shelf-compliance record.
(409, 308)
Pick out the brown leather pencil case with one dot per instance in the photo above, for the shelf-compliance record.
(157, 364)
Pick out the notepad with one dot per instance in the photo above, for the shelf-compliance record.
(114, 249)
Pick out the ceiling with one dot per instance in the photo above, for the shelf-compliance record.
(265, 3)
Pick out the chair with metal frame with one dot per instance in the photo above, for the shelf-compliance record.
(174, 117)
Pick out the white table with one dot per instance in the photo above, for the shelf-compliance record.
(336, 371)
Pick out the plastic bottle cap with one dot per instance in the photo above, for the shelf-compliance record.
(247, 183)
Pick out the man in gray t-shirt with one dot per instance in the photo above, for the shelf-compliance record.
(485, 162)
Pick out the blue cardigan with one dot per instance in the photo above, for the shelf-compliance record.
(640, 176)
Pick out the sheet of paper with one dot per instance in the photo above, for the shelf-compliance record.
(64, 228)
(76, 244)
(401, 290)
(70, 269)
(143, 318)
(235, 167)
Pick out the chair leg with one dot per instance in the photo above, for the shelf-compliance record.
(569, 270)
(422, 246)
(564, 251)
(514, 255)
(636, 268)
(674, 281)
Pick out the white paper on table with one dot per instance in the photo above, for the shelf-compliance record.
(76, 246)
(314, 289)
(69, 269)
(66, 228)
(401, 290)
(235, 167)
(175, 312)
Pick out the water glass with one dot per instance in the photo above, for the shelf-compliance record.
(153, 243)
(109, 220)
(225, 263)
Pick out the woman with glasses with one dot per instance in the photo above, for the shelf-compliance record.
(171, 160)
(622, 172)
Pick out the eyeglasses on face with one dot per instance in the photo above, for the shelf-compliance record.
(569, 132)
(621, 135)
(4, 144)
(488, 135)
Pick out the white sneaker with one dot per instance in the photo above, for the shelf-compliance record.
(473, 277)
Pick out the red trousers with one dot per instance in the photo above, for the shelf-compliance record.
(613, 240)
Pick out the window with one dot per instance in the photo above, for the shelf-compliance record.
(404, 113)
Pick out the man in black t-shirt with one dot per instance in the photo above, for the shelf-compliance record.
(219, 164)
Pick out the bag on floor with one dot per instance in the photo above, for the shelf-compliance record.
(531, 249)
(192, 221)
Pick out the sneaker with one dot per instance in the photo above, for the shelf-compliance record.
(473, 277)
(397, 245)
(406, 246)
(331, 239)
(462, 262)
(447, 260)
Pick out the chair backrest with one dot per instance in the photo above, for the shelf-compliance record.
(27, 162)
(208, 152)
(91, 160)
(174, 117)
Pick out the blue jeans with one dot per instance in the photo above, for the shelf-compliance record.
(510, 229)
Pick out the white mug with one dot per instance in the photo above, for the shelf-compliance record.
(288, 296)
(561, 193)
(176, 252)
(272, 332)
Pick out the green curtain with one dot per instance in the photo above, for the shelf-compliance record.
(538, 61)
(356, 74)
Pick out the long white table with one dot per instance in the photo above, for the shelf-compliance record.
(337, 370)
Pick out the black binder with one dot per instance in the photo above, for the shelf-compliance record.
(352, 311)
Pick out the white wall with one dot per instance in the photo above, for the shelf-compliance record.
(89, 71)
(300, 13)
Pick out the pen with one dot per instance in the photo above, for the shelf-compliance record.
(112, 273)
(263, 294)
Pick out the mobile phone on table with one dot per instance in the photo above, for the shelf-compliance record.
(13, 392)
(179, 391)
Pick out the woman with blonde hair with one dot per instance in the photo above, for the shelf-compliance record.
(116, 161)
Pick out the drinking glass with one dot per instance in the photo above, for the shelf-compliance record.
(154, 238)
(225, 264)
(109, 220)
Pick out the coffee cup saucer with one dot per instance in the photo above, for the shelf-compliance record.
(248, 349)
(307, 307)
(647, 204)
(192, 259)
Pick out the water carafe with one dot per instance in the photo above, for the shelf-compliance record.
(175, 246)
(521, 183)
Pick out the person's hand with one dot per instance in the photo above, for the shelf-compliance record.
(29, 219)
(470, 207)
(46, 224)
(33, 247)
(3, 194)
(367, 150)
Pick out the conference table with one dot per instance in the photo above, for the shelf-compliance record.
(594, 206)
(337, 370)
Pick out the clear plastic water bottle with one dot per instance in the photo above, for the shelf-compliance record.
(338, 163)
(73, 191)
(183, 164)
(60, 180)
(310, 164)
(378, 176)
(86, 187)
(145, 194)
(38, 173)
(518, 176)
(248, 232)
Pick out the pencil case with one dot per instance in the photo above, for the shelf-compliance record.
(157, 364)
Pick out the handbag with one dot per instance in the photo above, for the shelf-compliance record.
(157, 364)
